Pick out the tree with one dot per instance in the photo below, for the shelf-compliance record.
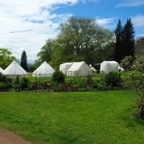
(24, 61)
(139, 46)
(128, 39)
(124, 45)
(81, 39)
(46, 51)
(138, 83)
(5, 57)
(118, 52)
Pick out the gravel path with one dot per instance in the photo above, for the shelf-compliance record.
(7, 137)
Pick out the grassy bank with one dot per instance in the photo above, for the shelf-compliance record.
(72, 118)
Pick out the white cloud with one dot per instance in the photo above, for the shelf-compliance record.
(106, 22)
(130, 3)
(27, 24)
(138, 20)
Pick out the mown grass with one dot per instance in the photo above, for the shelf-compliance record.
(72, 118)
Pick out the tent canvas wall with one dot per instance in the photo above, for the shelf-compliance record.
(44, 70)
(1, 70)
(79, 69)
(65, 66)
(14, 69)
(108, 66)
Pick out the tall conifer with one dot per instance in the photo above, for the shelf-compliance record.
(118, 52)
(128, 39)
(124, 45)
(24, 61)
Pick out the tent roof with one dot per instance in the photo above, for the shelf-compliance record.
(109, 62)
(44, 68)
(14, 69)
(75, 66)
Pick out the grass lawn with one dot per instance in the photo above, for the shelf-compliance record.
(72, 118)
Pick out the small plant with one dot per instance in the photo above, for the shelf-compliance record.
(5, 83)
(102, 85)
(24, 83)
(58, 77)
(89, 82)
(113, 79)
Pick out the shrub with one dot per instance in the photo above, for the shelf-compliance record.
(58, 77)
(89, 83)
(5, 83)
(138, 83)
(24, 83)
(127, 62)
(112, 79)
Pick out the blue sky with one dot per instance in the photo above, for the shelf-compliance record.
(27, 24)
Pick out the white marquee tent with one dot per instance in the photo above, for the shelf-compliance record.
(14, 69)
(108, 66)
(1, 70)
(44, 70)
(65, 66)
(79, 69)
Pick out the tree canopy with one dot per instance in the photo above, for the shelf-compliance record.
(5, 57)
(79, 39)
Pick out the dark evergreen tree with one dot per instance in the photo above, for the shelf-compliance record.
(128, 39)
(24, 61)
(124, 45)
(118, 52)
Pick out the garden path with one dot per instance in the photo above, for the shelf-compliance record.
(7, 137)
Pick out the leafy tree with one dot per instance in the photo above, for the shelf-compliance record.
(82, 38)
(5, 57)
(138, 82)
(24, 61)
(46, 52)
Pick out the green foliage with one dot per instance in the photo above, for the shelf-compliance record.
(58, 77)
(102, 85)
(138, 83)
(5, 57)
(139, 46)
(90, 83)
(46, 52)
(80, 39)
(112, 79)
(127, 62)
(5, 83)
(24, 83)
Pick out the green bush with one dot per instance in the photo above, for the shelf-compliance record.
(58, 77)
(112, 79)
(5, 83)
(24, 83)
